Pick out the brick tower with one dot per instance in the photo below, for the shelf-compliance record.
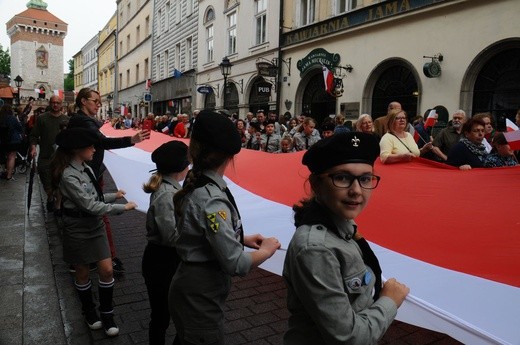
(37, 49)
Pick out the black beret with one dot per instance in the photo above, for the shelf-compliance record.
(255, 125)
(171, 157)
(76, 138)
(328, 126)
(216, 131)
(341, 148)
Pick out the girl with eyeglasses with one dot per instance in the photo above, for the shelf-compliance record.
(334, 289)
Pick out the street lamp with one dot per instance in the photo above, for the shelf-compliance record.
(18, 81)
(225, 69)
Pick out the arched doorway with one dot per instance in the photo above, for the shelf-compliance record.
(497, 87)
(259, 97)
(395, 83)
(316, 102)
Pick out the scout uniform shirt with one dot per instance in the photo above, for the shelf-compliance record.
(160, 221)
(329, 289)
(210, 229)
(79, 192)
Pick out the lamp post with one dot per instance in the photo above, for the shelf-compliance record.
(225, 69)
(18, 81)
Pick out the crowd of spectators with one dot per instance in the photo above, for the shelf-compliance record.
(456, 143)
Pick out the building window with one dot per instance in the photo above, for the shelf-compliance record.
(120, 81)
(137, 73)
(159, 24)
(178, 11)
(209, 43)
(189, 53)
(127, 78)
(189, 8)
(158, 67)
(177, 56)
(121, 48)
(261, 20)
(128, 8)
(167, 14)
(147, 26)
(166, 64)
(146, 69)
(307, 11)
(232, 33)
(210, 15)
(137, 35)
(128, 43)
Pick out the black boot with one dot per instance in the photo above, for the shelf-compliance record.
(87, 305)
(106, 290)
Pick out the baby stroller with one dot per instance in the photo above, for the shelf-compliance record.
(22, 161)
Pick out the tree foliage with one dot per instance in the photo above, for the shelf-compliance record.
(5, 61)
(69, 79)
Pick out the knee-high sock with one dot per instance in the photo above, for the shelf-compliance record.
(106, 291)
(85, 295)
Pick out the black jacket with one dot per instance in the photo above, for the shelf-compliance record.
(82, 120)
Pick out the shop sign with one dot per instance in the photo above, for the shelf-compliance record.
(205, 89)
(263, 89)
(318, 56)
(266, 69)
(360, 16)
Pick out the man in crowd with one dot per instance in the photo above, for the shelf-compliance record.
(44, 132)
(380, 126)
(260, 119)
(274, 119)
(449, 136)
(128, 121)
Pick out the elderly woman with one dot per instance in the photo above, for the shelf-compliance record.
(334, 290)
(469, 152)
(365, 124)
(397, 145)
(501, 154)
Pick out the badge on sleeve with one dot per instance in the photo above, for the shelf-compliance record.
(212, 217)
(214, 227)
(354, 283)
(222, 214)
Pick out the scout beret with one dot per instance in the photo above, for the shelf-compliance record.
(328, 126)
(76, 138)
(216, 131)
(171, 157)
(341, 148)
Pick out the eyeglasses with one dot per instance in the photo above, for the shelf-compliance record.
(400, 118)
(96, 101)
(342, 180)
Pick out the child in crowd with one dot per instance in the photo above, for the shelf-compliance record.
(84, 237)
(160, 259)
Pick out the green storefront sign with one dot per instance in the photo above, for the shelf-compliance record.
(318, 56)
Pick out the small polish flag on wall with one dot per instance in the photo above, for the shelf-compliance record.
(328, 78)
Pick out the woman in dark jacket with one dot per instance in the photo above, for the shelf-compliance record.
(10, 138)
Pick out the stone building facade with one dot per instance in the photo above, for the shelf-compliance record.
(134, 45)
(107, 65)
(37, 49)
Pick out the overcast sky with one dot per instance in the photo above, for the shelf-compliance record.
(84, 18)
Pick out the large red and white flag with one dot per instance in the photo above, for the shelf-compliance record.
(513, 139)
(510, 126)
(328, 78)
(431, 119)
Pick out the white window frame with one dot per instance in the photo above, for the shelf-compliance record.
(210, 43)
(189, 53)
(166, 71)
(260, 21)
(232, 33)
(307, 12)
(167, 14)
(178, 57)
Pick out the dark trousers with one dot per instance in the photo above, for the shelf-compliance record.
(159, 266)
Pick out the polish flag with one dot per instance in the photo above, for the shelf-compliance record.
(328, 78)
(58, 93)
(511, 126)
(124, 110)
(38, 91)
(513, 139)
(148, 84)
(431, 119)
